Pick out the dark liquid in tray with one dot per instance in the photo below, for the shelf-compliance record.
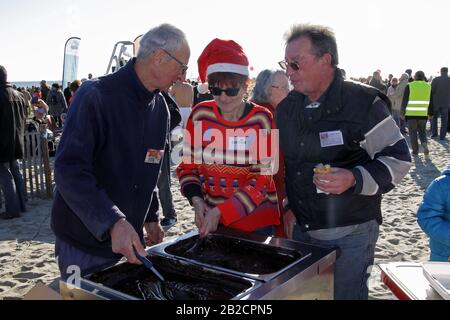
(183, 282)
(235, 254)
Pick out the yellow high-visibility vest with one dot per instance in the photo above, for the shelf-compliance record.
(419, 99)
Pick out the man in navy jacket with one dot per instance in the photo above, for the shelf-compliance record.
(110, 155)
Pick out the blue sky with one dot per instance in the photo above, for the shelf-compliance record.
(386, 35)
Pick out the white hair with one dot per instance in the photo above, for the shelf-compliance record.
(261, 91)
(164, 36)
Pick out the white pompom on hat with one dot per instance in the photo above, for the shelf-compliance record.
(203, 88)
(222, 56)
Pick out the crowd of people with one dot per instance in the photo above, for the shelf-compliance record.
(299, 152)
(37, 109)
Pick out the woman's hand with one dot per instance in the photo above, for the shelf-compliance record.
(155, 233)
(199, 209)
(211, 222)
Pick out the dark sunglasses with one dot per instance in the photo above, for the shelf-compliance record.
(231, 92)
(294, 65)
(183, 66)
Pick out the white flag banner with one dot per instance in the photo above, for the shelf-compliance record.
(71, 53)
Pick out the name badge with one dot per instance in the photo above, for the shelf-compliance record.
(153, 156)
(331, 138)
(313, 105)
(237, 143)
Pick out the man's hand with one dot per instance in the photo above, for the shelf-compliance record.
(402, 117)
(289, 221)
(124, 238)
(211, 221)
(200, 210)
(336, 182)
(155, 233)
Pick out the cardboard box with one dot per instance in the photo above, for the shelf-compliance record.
(42, 292)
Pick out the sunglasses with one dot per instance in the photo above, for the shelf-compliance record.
(231, 92)
(183, 66)
(294, 65)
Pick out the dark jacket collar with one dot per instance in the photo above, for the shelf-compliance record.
(129, 77)
(5, 85)
(174, 110)
(331, 100)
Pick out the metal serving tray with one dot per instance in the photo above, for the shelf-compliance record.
(183, 281)
(308, 277)
(256, 256)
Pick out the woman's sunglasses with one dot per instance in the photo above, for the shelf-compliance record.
(231, 92)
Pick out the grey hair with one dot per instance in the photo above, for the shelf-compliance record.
(164, 36)
(404, 76)
(261, 91)
(322, 39)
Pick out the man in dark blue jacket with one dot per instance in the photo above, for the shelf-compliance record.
(440, 103)
(327, 120)
(110, 155)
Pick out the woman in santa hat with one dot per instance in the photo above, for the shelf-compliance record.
(229, 149)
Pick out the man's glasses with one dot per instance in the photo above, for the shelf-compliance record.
(231, 92)
(184, 66)
(294, 65)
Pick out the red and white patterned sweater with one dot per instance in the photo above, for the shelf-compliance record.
(222, 163)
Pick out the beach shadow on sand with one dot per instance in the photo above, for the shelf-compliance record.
(424, 172)
(33, 225)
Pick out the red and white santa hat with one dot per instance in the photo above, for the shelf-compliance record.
(222, 56)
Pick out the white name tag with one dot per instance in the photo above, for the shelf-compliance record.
(313, 105)
(153, 156)
(331, 138)
(237, 143)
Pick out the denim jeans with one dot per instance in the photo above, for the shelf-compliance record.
(11, 183)
(443, 113)
(164, 193)
(357, 251)
(401, 123)
(417, 126)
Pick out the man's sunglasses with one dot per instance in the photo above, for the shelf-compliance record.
(294, 65)
(184, 66)
(231, 92)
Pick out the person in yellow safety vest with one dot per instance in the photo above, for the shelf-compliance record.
(416, 100)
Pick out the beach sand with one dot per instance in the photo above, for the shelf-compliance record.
(27, 243)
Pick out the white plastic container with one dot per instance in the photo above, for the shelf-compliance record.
(438, 274)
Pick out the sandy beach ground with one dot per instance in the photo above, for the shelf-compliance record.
(27, 243)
